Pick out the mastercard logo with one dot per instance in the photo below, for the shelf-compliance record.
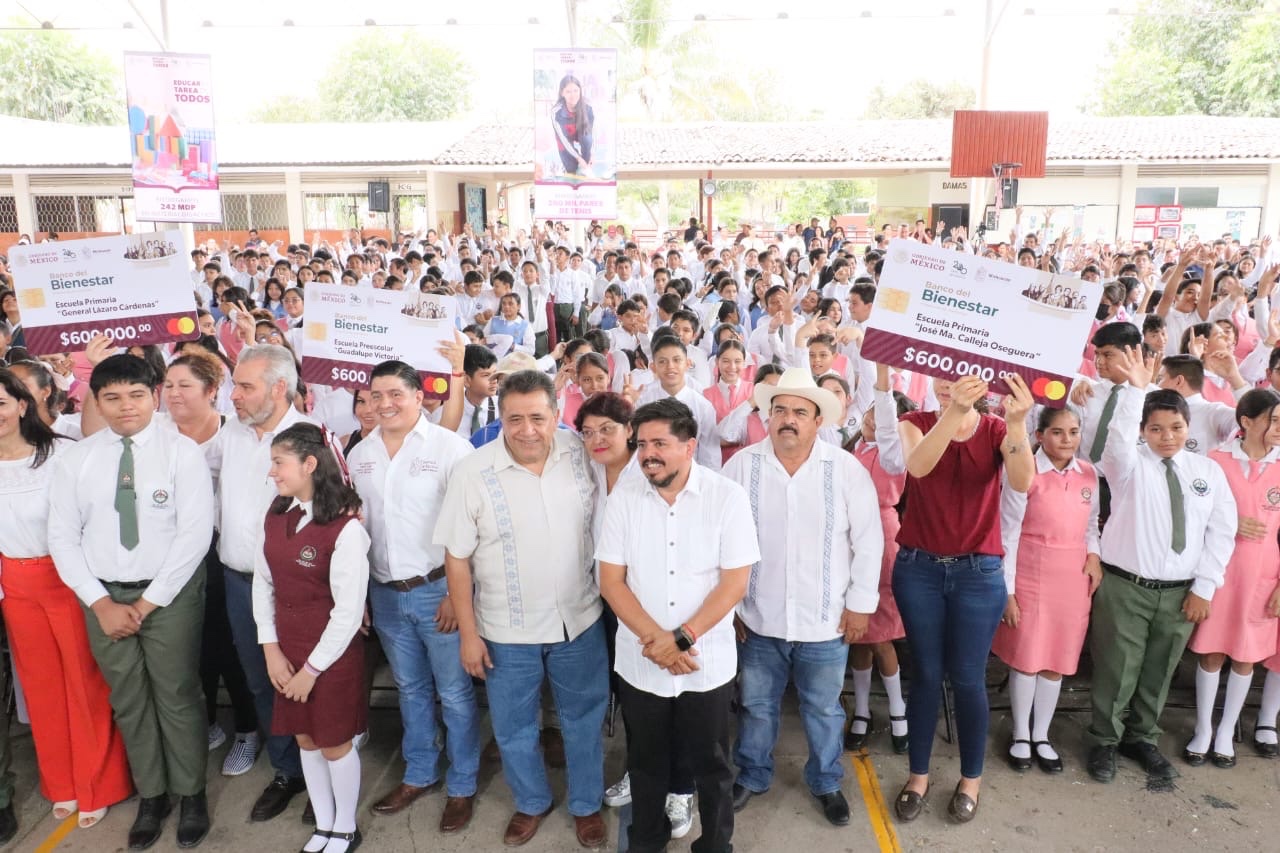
(1050, 389)
(439, 386)
(180, 326)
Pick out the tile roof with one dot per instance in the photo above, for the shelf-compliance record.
(38, 144)
(1164, 139)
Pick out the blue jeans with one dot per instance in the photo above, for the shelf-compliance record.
(766, 664)
(281, 749)
(425, 663)
(579, 675)
(951, 607)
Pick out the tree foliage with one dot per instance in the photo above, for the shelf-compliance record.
(52, 77)
(670, 71)
(1195, 57)
(919, 98)
(374, 78)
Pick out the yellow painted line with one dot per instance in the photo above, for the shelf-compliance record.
(877, 809)
(63, 830)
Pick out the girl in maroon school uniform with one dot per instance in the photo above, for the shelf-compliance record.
(1242, 624)
(1052, 569)
(880, 451)
(309, 592)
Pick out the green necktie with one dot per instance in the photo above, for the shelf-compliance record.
(1176, 507)
(475, 420)
(126, 498)
(1104, 423)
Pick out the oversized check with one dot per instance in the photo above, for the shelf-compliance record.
(348, 331)
(947, 314)
(134, 287)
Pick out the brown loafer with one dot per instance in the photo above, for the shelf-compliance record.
(590, 830)
(552, 746)
(457, 814)
(401, 798)
(523, 827)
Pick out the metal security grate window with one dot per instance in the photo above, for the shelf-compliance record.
(84, 213)
(242, 211)
(340, 210)
(8, 214)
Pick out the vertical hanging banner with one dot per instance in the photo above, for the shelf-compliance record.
(575, 138)
(175, 164)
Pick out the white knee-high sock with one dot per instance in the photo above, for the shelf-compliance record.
(1232, 705)
(1044, 706)
(897, 707)
(1206, 695)
(861, 699)
(316, 771)
(345, 773)
(1022, 692)
(1270, 707)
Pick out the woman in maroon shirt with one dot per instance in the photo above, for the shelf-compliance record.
(948, 579)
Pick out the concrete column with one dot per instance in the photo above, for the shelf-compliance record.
(25, 204)
(1270, 202)
(293, 206)
(1128, 193)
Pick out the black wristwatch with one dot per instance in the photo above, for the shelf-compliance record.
(683, 641)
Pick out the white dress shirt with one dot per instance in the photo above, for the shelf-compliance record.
(821, 541)
(402, 497)
(174, 507)
(348, 581)
(1138, 536)
(708, 451)
(1212, 423)
(674, 555)
(529, 541)
(24, 504)
(245, 492)
(1013, 509)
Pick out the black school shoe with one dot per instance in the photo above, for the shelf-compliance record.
(1020, 764)
(835, 808)
(1266, 750)
(149, 823)
(854, 741)
(1102, 763)
(275, 798)
(1147, 755)
(1047, 765)
(193, 820)
(8, 824)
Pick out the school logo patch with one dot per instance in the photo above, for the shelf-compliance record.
(1086, 494)
(1193, 445)
(422, 466)
(160, 497)
(306, 556)
(1200, 487)
(1273, 496)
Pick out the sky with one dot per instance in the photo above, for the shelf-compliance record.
(1044, 55)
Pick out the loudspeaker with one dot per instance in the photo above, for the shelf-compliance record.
(379, 197)
(1008, 192)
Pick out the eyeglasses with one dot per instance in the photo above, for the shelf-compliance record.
(609, 430)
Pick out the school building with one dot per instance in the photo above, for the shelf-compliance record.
(1162, 176)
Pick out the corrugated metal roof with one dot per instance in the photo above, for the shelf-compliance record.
(37, 144)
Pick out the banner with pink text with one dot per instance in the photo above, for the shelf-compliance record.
(575, 159)
(171, 139)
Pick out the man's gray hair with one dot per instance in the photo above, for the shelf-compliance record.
(528, 382)
(280, 366)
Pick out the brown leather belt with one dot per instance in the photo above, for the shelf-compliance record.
(413, 583)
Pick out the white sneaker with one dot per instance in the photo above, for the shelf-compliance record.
(619, 793)
(680, 813)
(242, 754)
(217, 737)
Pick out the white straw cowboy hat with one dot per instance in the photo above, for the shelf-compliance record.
(798, 382)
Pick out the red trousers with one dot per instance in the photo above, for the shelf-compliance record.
(78, 747)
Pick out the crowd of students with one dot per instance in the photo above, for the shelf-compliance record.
(666, 474)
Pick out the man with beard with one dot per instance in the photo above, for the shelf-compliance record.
(265, 380)
(813, 591)
(674, 561)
